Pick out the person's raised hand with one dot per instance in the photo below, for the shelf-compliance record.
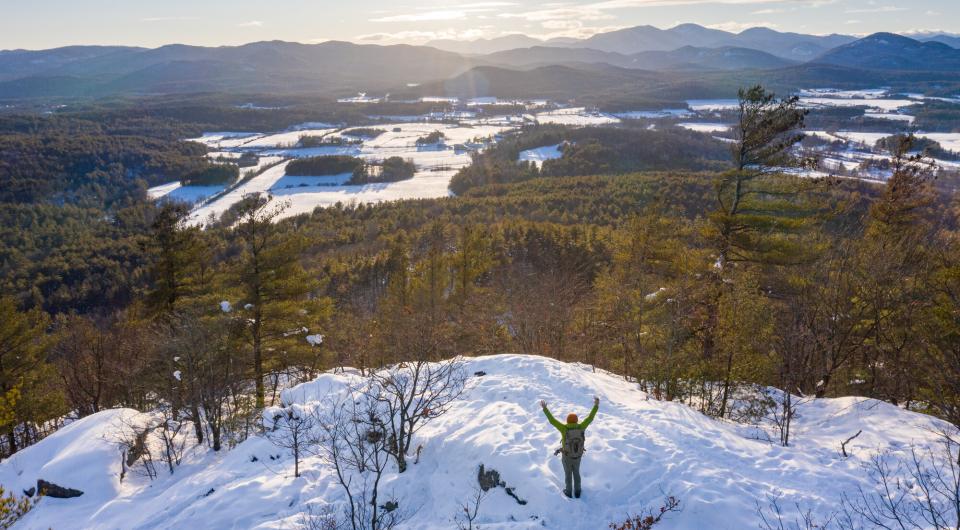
(543, 404)
(596, 400)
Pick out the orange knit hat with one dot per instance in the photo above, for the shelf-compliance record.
(572, 418)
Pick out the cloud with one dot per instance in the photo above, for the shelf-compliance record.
(448, 14)
(599, 10)
(560, 13)
(420, 36)
(451, 12)
(582, 32)
(250, 24)
(879, 9)
(737, 27)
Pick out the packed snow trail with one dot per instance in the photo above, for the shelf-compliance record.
(638, 450)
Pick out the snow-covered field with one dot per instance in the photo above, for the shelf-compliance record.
(576, 116)
(285, 139)
(538, 155)
(436, 165)
(949, 141)
(638, 449)
(706, 127)
(188, 194)
(712, 105)
(859, 147)
(653, 114)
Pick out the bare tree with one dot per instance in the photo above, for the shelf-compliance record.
(212, 372)
(470, 509)
(411, 394)
(170, 432)
(293, 429)
(773, 516)
(919, 492)
(131, 437)
(319, 518)
(354, 442)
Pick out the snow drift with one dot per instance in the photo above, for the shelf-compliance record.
(638, 449)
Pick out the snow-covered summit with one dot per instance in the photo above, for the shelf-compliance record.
(638, 450)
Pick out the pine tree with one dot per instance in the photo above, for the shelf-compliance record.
(761, 215)
(895, 275)
(277, 302)
(757, 206)
(632, 296)
(178, 252)
(26, 395)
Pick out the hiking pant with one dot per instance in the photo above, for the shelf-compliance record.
(571, 472)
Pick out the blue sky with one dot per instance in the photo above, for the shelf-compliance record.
(48, 23)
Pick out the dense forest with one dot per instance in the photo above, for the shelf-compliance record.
(593, 151)
(700, 281)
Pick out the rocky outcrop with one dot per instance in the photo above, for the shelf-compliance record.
(49, 489)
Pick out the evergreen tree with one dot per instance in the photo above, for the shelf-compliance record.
(895, 277)
(756, 205)
(632, 296)
(26, 379)
(178, 252)
(760, 218)
(278, 306)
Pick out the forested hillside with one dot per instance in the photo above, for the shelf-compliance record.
(723, 275)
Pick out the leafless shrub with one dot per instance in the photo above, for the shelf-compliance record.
(355, 443)
(773, 517)
(917, 492)
(649, 518)
(470, 510)
(410, 394)
(322, 518)
(293, 429)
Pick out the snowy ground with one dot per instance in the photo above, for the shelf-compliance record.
(538, 155)
(638, 449)
(653, 114)
(712, 105)
(706, 127)
(575, 116)
(436, 165)
(860, 147)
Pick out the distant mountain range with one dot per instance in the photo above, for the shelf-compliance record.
(887, 51)
(685, 58)
(558, 66)
(791, 46)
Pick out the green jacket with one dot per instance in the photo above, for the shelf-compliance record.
(564, 427)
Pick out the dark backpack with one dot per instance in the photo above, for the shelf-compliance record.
(574, 443)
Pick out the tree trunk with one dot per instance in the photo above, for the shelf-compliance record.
(197, 423)
(726, 385)
(258, 366)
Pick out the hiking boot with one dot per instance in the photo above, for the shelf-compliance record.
(567, 493)
(577, 494)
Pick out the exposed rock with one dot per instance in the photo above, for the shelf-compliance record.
(490, 479)
(49, 489)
